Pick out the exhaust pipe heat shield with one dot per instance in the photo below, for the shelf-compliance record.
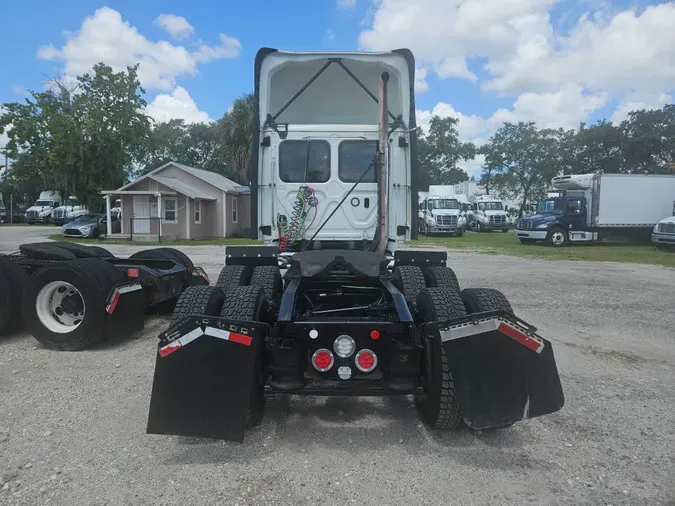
(503, 372)
(203, 377)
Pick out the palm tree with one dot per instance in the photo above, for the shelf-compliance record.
(236, 128)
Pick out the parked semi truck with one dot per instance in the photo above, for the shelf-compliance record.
(332, 306)
(41, 211)
(440, 212)
(71, 210)
(663, 234)
(594, 206)
(489, 213)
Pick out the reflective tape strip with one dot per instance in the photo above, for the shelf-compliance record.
(114, 300)
(180, 342)
(228, 336)
(505, 327)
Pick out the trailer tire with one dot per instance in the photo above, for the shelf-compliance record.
(441, 277)
(46, 251)
(439, 404)
(234, 275)
(410, 280)
(268, 278)
(203, 300)
(81, 251)
(88, 283)
(15, 278)
(248, 303)
(557, 237)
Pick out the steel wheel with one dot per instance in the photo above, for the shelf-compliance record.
(558, 237)
(60, 307)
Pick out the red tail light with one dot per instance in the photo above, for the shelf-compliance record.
(323, 360)
(366, 360)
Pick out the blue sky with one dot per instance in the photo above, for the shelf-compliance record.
(556, 62)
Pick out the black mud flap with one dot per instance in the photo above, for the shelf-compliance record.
(125, 308)
(503, 371)
(203, 378)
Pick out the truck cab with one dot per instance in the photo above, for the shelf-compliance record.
(663, 234)
(41, 211)
(439, 214)
(488, 213)
(68, 212)
(559, 213)
(315, 182)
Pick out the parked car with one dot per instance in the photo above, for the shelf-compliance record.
(91, 226)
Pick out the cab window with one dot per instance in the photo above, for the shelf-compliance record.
(355, 158)
(294, 166)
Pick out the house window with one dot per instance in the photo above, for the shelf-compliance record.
(198, 212)
(170, 209)
(235, 210)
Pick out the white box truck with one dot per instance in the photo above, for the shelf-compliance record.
(593, 206)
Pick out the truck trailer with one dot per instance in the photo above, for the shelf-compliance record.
(331, 306)
(594, 206)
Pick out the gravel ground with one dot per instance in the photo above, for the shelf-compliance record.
(72, 425)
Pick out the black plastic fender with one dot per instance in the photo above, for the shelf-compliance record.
(203, 378)
(503, 371)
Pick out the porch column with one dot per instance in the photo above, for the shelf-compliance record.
(187, 216)
(107, 216)
(159, 213)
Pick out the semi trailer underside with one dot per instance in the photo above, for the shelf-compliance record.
(347, 323)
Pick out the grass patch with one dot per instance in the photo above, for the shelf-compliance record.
(228, 241)
(508, 244)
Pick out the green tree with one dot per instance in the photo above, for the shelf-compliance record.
(524, 159)
(598, 147)
(235, 139)
(79, 139)
(440, 150)
(649, 140)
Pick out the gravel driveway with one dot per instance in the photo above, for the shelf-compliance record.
(72, 425)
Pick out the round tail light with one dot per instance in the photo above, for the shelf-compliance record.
(344, 346)
(322, 360)
(365, 360)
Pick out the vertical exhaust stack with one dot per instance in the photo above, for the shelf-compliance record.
(383, 126)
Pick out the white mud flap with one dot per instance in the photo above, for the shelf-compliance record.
(503, 371)
(203, 378)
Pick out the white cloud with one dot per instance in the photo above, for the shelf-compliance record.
(177, 26)
(177, 105)
(421, 84)
(557, 76)
(19, 90)
(346, 4)
(330, 34)
(106, 37)
(635, 102)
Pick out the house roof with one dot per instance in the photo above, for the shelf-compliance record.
(212, 178)
(181, 187)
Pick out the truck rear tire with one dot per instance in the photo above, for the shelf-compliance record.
(410, 280)
(557, 237)
(200, 300)
(178, 256)
(268, 278)
(248, 303)
(63, 305)
(15, 279)
(234, 275)
(479, 300)
(441, 277)
(439, 404)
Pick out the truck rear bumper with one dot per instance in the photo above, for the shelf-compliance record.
(530, 234)
(667, 239)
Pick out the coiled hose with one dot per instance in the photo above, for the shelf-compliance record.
(291, 232)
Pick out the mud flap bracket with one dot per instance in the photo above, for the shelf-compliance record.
(203, 377)
(503, 371)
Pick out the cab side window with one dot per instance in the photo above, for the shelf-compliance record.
(295, 167)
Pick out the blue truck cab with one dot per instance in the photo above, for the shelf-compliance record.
(557, 221)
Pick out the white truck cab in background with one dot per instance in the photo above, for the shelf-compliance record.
(71, 210)
(489, 213)
(440, 212)
(664, 231)
(41, 211)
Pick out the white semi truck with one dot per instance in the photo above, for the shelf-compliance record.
(663, 234)
(71, 210)
(440, 212)
(41, 211)
(489, 213)
(594, 206)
